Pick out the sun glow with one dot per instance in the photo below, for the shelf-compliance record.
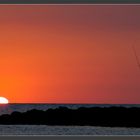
(3, 100)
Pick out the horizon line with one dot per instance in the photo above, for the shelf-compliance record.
(83, 103)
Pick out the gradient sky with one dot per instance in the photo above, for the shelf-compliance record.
(69, 54)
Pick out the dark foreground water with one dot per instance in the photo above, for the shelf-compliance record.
(65, 130)
(9, 108)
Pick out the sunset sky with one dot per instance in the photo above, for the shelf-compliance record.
(69, 54)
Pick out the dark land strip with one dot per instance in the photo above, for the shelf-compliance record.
(95, 116)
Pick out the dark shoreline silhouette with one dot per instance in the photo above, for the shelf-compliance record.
(94, 116)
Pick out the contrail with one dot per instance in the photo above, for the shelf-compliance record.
(137, 59)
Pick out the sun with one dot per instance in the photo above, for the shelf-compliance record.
(3, 100)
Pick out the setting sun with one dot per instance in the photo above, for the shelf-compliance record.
(3, 100)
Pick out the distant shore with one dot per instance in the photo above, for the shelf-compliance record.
(63, 116)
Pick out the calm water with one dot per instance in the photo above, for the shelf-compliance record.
(8, 109)
(65, 130)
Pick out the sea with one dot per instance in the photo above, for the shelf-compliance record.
(61, 130)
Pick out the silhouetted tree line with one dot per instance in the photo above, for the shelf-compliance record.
(95, 116)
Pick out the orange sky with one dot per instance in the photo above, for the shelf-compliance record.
(69, 54)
